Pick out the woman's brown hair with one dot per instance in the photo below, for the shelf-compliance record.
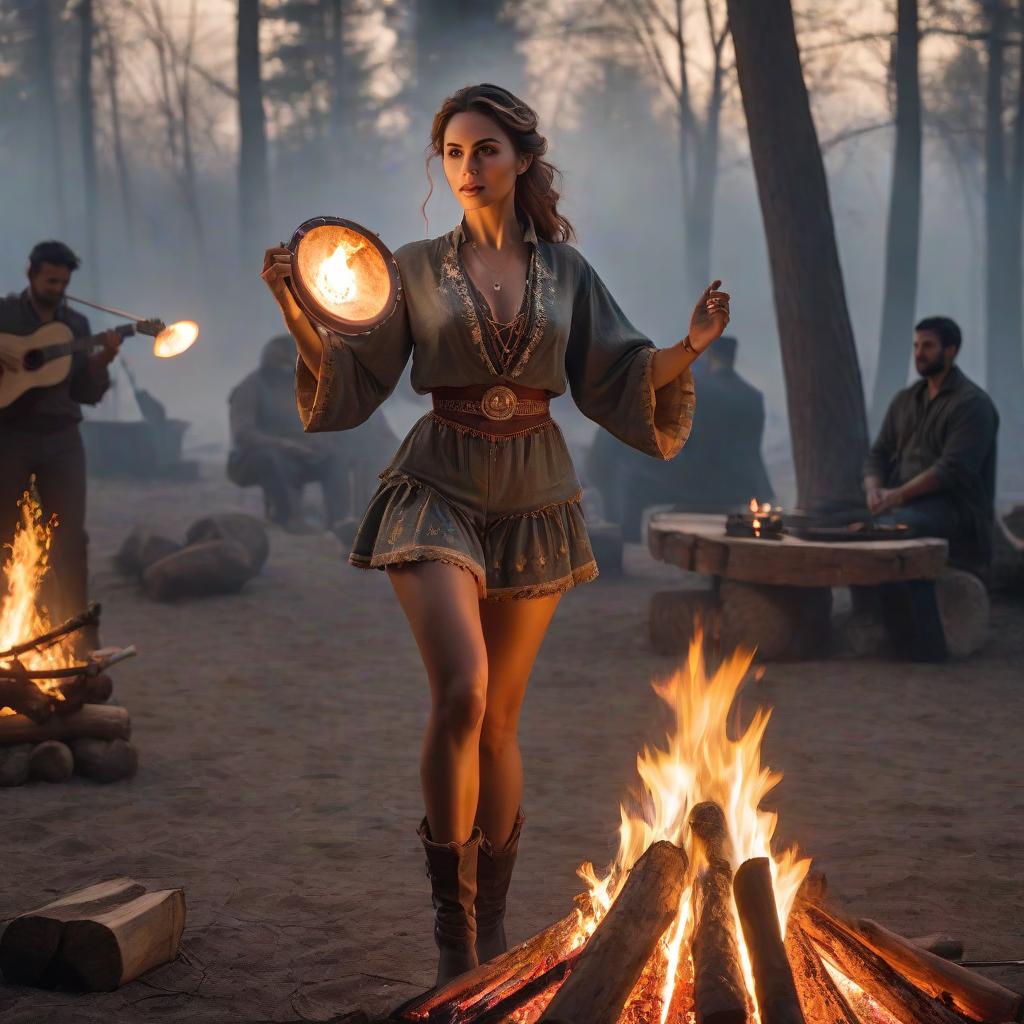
(536, 195)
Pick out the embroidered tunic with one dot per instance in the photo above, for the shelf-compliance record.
(506, 508)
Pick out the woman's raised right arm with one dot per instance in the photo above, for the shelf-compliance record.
(276, 269)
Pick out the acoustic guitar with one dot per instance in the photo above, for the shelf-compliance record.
(43, 358)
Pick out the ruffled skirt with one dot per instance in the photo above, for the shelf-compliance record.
(505, 508)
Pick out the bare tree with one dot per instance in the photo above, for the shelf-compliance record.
(253, 172)
(902, 243)
(825, 399)
(87, 134)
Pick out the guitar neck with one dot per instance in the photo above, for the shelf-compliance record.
(67, 348)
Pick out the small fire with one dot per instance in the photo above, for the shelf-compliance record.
(177, 338)
(25, 566)
(759, 512)
(699, 761)
(335, 279)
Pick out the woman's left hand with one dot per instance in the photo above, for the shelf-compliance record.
(710, 317)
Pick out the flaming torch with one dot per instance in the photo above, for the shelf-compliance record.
(343, 276)
(171, 341)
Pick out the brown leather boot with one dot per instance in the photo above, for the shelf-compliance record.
(452, 871)
(493, 875)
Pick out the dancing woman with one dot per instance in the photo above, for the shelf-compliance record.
(477, 520)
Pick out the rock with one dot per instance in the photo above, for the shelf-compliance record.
(209, 567)
(105, 760)
(51, 761)
(235, 526)
(141, 548)
(964, 610)
(14, 764)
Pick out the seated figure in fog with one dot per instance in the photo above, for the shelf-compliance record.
(933, 465)
(271, 450)
(719, 470)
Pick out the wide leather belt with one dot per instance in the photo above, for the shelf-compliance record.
(498, 403)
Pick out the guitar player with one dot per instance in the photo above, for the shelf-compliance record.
(39, 431)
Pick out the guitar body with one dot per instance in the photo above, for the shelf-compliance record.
(33, 372)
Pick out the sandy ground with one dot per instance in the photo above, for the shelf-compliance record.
(278, 732)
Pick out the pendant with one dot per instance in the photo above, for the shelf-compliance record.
(497, 286)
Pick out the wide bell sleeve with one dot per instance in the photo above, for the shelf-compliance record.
(609, 365)
(356, 374)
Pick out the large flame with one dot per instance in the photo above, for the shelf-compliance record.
(699, 761)
(21, 618)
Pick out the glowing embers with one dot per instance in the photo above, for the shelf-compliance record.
(343, 276)
(760, 521)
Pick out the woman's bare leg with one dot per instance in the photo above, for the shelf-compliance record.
(513, 632)
(441, 603)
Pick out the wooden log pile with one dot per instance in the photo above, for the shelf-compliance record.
(48, 734)
(825, 970)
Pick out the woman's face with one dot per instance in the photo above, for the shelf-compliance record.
(480, 162)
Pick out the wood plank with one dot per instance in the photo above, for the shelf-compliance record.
(697, 543)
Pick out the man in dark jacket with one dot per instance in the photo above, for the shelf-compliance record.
(271, 450)
(39, 430)
(933, 466)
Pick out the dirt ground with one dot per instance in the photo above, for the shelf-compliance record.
(279, 729)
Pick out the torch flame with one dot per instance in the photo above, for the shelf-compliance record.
(24, 569)
(335, 279)
(177, 338)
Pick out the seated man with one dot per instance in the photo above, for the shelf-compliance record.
(719, 470)
(933, 466)
(271, 449)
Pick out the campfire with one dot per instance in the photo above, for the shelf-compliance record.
(54, 718)
(698, 920)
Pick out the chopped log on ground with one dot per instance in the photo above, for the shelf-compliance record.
(820, 998)
(846, 952)
(200, 570)
(971, 994)
(674, 614)
(623, 942)
(964, 610)
(29, 944)
(719, 991)
(51, 761)
(141, 548)
(777, 999)
(941, 945)
(97, 721)
(779, 621)
(14, 764)
(552, 944)
(105, 760)
(237, 526)
(546, 985)
(107, 950)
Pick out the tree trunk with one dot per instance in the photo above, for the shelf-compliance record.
(124, 178)
(87, 129)
(902, 243)
(825, 397)
(47, 125)
(253, 176)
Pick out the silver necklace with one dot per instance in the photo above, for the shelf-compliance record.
(496, 284)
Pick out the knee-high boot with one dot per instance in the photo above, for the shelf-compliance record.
(452, 869)
(494, 873)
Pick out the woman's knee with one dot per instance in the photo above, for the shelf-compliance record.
(461, 701)
(499, 732)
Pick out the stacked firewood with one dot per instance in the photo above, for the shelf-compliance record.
(48, 734)
(617, 975)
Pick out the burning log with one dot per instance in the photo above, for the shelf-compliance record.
(719, 991)
(500, 1011)
(777, 999)
(84, 689)
(20, 694)
(970, 993)
(51, 761)
(99, 938)
(97, 721)
(617, 952)
(820, 999)
(467, 990)
(841, 947)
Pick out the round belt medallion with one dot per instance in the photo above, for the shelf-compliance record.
(499, 403)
